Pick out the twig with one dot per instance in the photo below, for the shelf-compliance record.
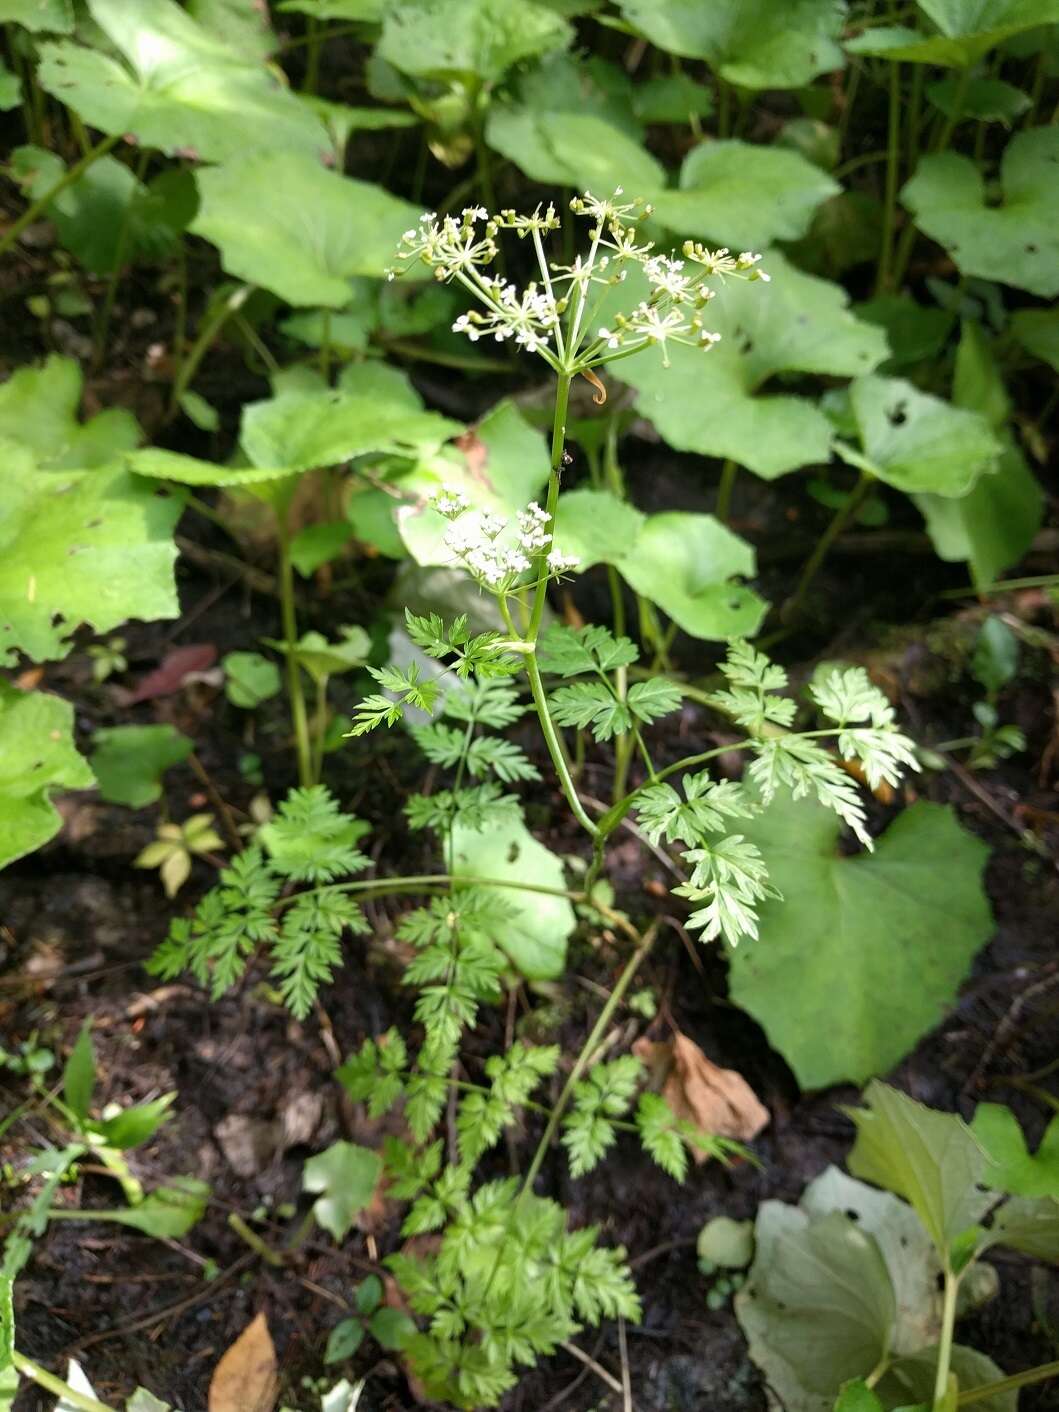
(217, 801)
(1007, 1025)
(626, 1380)
(597, 1368)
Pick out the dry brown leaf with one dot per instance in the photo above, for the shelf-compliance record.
(246, 1380)
(717, 1101)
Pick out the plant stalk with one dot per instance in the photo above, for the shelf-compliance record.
(190, 365)
(948, 1324)
(1039, 1374)
(103, 326)
(587, 1050)
(72, 174)
(893, 166)
(841, 519)
(555, 745)
(64, 1391)
(299, 714)
(723, 507)
(562, 401)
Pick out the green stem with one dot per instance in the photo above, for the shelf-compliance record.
(319, 729)
(299, 715)
(724, 491)
(908, 235)
(555, 745)
(207, 333)
(948, 1324)
(424, 882)
(562, 400)
(1003, 1386)
(121, 245)
(893, 167)
(841, 519)
(312, 64)
(72, 174)
(587, 1050)
(44, 1379)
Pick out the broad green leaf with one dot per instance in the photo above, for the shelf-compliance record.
(990, 100)
(79, 547)
(994, 524)
(321, 658)
(286, 223)
(717, 403)
(911, 1380)
(106, 217)
(743, 195)
(818, 1306)
(317, 545)
(857, 1396)
(929, 1158)
(1013, 1168)
(1038, 332)
(10, 97)
(344, 1177)
(837, 978)
(367, 11)
(250, 679)
(176, 87)
(534, 936)
(37, 756)
(391, 1328)
(43, 16)
(1029, 1224)
(79, 1074)
(133, 1126)
(755, 45)
(967, 30)
(578, 149)
(913, 331)
(129, 761)
(242, 24)
(159, 464)
(1015, 241)
(167, 1213)
(917, 442)
(300, 431)
(467, 38)
(344, 1340)
(686, 563)
(38, 409)
(500, 465)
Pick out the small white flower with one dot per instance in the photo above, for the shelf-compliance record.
(491, 525)
(612, 340)
(559, 562)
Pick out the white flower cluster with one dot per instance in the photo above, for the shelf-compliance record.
(498, 566)
(554, 316)
(451, 502)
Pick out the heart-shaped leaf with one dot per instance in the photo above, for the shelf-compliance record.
(38, 409)
(79, 547)
(755, 45)
(575, 149)
(284, 222)
(176, 87)
(917, 442)
(967, 29)
(1015, 241)
(37, 756)
(464, 38)
(129, 761)
(715, 403)
(686, 563)
(744, 196)
(344, 1177)
(837, 978)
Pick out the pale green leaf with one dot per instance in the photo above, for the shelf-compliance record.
(1029, 1224)
(756, 45)
(37, 756)
(967, 29)
(1013, 1168)
(344, 1178)
(857, 1396)
(284, 222)
(714, 402)
(990, 100)
(837, 978)
(1015, 241)
(79, 547)
(249, 679)
(743, 195)
(166, 1213)
(929, 1158)
(243, 24)
(79, 1074)
(47, 16)
(38, 409)
(129, 761)
(917, 442)
(909, 1384)
(464, 38)
(583, 150)
(689, 564)
(535, 934)
(177, 87)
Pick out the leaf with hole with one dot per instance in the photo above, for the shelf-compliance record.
(721, 403)
(1015, 240)
(863, 954)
